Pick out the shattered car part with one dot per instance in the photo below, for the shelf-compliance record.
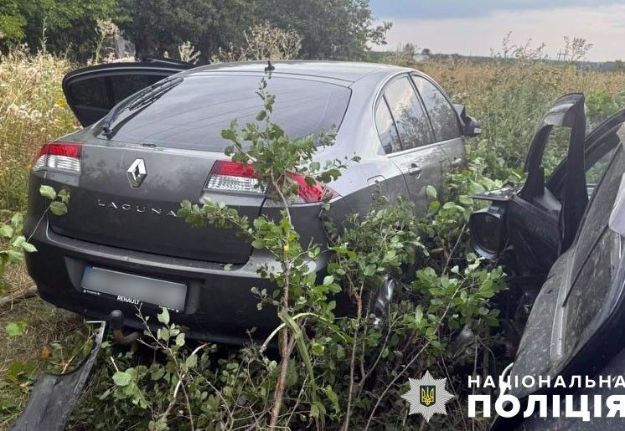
(54, 396)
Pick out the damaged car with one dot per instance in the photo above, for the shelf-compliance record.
(152, 139)
(560, 237)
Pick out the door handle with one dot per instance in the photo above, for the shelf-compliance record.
(414, 170)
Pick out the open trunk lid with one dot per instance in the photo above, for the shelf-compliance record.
(92, 91)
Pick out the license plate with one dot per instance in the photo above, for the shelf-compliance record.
(134, 289)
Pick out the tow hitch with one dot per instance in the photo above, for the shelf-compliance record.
(116, 321)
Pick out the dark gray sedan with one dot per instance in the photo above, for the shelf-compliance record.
(152, 138)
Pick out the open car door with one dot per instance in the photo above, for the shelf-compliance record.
(542, 218)
(539, 221)
(91, 92)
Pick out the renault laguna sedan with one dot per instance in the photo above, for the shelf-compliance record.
(152, 138)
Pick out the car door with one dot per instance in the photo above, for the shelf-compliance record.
(412, 150)
(91, 92)
(543, 217)
(444, 119)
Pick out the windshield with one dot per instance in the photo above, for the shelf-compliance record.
(192, 114)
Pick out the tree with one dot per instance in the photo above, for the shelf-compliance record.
(157, 26)
(329, 28)
(336, 29)
(54, 25)
(11, 22)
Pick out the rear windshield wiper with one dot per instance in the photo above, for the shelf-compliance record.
(141, 99)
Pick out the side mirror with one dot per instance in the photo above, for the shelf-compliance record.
(471, 127)
(487, 228)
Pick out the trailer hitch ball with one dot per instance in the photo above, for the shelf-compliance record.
(116, 323)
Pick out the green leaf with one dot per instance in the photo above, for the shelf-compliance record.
(122, 378)
(328, 280)
(163, 316)
(258, 243)
(14, 256)
(334, 399)
(6, 231)
(191, 362)
(64, 196)
(369, 270)
(17, 219)
(317, 409)
(17, 242)
(418, 315)
(465, 200)
(430, 192)
(15, 329)
(58, 208)
(180, 339)
(47, 192)
(28, 247)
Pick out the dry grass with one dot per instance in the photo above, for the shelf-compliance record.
(32, 111)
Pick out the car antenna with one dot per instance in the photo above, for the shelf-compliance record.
(270, 67)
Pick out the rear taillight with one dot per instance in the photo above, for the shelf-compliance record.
(234, 177)
(310, 192)
(63, 156)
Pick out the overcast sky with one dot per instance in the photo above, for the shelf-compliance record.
(479, 26)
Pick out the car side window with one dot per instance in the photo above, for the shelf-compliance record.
(442, 114)
(386, 128)
(412, 123)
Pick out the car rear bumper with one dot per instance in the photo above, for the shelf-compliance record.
(219, 304)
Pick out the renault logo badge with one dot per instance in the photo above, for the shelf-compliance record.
(137, 173)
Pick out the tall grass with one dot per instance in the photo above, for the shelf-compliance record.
(32, 111)
(510, 98)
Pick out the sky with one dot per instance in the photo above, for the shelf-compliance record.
(478, 27)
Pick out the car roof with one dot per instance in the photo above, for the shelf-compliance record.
(345, 71)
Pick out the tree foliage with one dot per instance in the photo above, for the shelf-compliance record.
(328, 28)
(157, 26)
(54, 25)
(11, 22)
(338, 29)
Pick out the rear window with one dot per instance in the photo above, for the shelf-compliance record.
(191, 115)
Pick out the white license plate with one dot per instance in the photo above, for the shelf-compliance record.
(135, 289)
